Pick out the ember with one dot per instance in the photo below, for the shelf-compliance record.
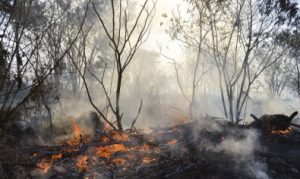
(119, 161)
(148, 160)
(108, 151)
(44, 165)
(76, 129)
(104, 139)
(77, 136)
(270, 123)
(117, 154)
(287, 131)
(172, 142)
(119, 136)
(82, 163)
(56, 156)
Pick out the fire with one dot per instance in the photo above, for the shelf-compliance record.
(77, 138)
(76, 129)
(56, 156)
(282, 132)
(108, 151)
(119, 161)
(119, 136)
(82, 163)
(147, 160)
(172, 142)
(75, 141)
(104, 139)
(35, 154)
(145, 147)
(44, 165)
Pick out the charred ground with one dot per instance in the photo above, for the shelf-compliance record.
(206, 148)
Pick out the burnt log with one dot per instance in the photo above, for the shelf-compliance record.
(272, 122)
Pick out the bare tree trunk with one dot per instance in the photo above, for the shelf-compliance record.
(122, 39)
(118, 94)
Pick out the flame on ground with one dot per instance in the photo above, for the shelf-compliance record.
(57, 156)
(148, 160)
(76, 129)
(104, 139)
(119, 136)
(282, 132)
(44, 165)
(108, 151)
(82, 163)
(119, 161)
(172, 142)
(78, 137)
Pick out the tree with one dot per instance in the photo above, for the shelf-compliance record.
(192, 32)
(240, 39)
(126, 32)
(25, 70)
(237, 46)
(290, 39)
(279, 75)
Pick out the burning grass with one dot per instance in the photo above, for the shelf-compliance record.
(82, 163)
(44, 165)
(110, 148)
(287, 131)
(167, 152)
(108, 151)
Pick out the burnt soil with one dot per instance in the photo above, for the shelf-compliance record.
(276, 156)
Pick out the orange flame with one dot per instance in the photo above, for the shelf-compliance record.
(76, 129)
(119, 161)
(282, 132)
(82, 163)
(172, 142)
(104, 139)
(56, 156)
(44, 165)
(108, 151)
(77, 139)
(147, 160)
(119, 136)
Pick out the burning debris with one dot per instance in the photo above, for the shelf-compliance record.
(197, 149)
(274, 124)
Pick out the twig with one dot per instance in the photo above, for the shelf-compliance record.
(137, 116)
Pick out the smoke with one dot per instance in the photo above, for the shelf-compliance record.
(243, 152)
(152, 79)
(235, 143)
(240, 148)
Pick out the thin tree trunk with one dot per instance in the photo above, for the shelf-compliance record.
(118, 94)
